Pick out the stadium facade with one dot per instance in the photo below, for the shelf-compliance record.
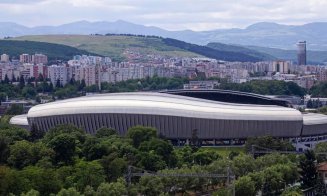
(177, 114)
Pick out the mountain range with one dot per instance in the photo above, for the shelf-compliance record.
(262, 34)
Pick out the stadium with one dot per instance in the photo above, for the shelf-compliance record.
(217, 117)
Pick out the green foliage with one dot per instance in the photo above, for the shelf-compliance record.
(205, 157)
(151, 161)
(141, 134)
(105, 132)
(269, 87)
(270, 143)
(67, 161)
(308, 173)
(114, 167)
(29, 92)
(211, 52)
(161, 148)
(35, 133)
(319, 90)
(322, 110)
(321, 148)
(292, 191)
(273, 159)
(69, 192)
(66, 141)
(243, 164)
(244, 186)
(15, 109)
(320, 187)
(233, 48)
(41, 179)
(88, 173)
(151, 186)
(64, 146)
(24, 153)
(31, 192)
(113, 189)
(112, 45)
(53, 51)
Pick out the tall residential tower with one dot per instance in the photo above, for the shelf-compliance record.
(301, 53)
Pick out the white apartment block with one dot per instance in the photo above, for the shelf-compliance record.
(57, 72)
(4, 58)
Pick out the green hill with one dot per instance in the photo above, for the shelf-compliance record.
(240, 49)
(114, 46)
(313, 57)
(53, 51)
(213, 53)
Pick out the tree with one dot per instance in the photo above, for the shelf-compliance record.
(4, 149)
(269, 142)
(31, 192)
(195, 142)
(114, 167)
(82, 85)
(21, 82)
(43, 180)
(58, 84)
(273, 182)
(24, 153)
(64, 146)
(113, 189)
(35, 133)
(162, 148)
(140, 134)
(244, 186)
(69, 192)
(6, 80)
(105, 132)
(150, 186)
(88, 173)
(308, 173)
(243, 164)
(15, 109)
(89, 191)
(320, 188)
(292, 191)
(13, 78)
(151, 161)
(321, 148)
(6, 180)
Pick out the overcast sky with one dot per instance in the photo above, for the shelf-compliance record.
(168, 14)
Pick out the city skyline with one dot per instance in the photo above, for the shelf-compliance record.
(170, 15)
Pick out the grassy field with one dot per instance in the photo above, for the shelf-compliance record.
(112, 46)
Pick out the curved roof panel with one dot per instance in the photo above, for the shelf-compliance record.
(19, 120)
(314, 119)
(164, 104)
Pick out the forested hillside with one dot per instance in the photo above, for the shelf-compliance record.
(52, 50)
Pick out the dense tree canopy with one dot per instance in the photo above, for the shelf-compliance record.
(67, 161)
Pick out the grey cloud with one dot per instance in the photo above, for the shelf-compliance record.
(172, 14)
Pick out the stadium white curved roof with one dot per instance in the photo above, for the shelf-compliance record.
(314, 119)
(164, 104)
(19, 120)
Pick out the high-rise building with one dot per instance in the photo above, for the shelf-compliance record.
(5, 58)
(280, 66)
(36, 70)
(301, 53)
(56, 72)
(25, 58)
(39, 59)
